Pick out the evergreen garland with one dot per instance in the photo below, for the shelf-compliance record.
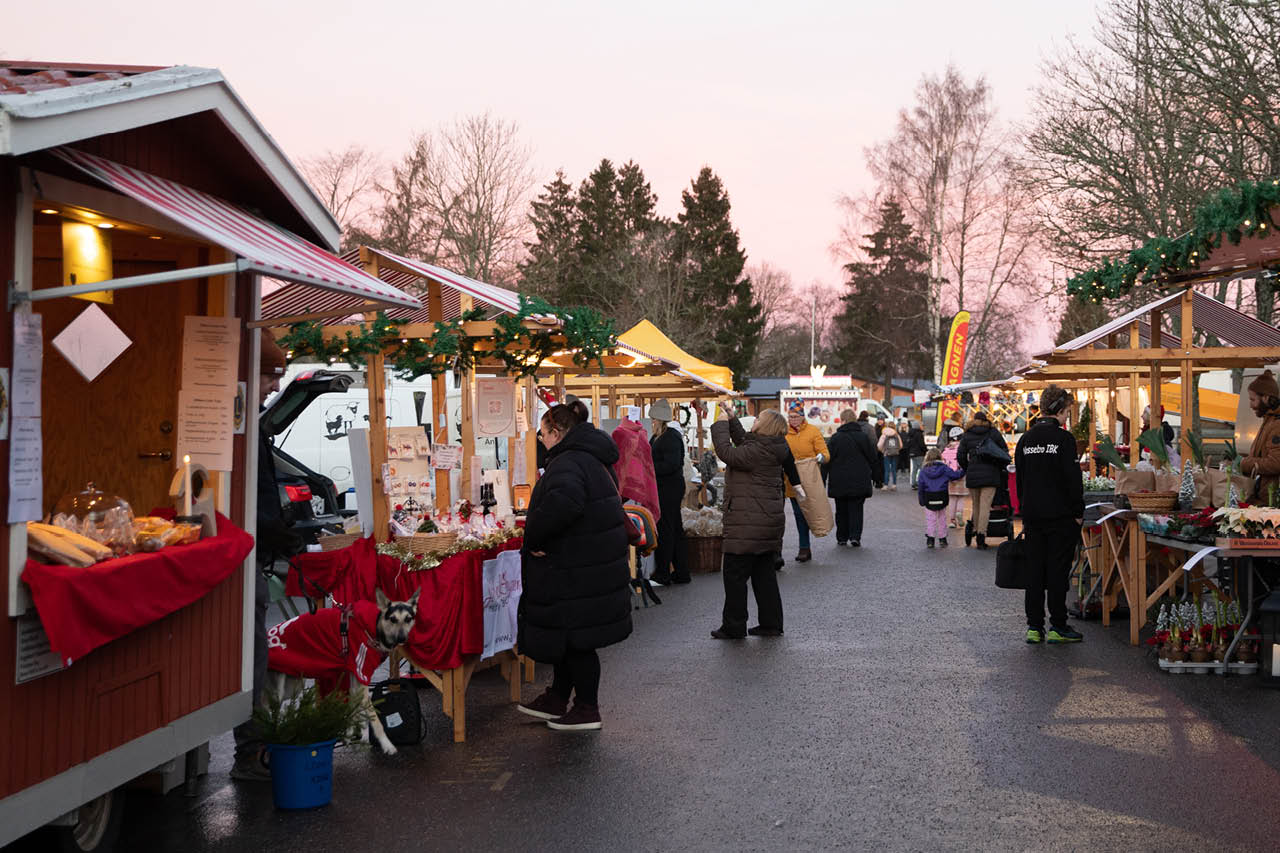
(585, 332)
(1233, 212)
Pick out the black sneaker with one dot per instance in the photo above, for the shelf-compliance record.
(928, 541)
(581, 718)
(841, 544)
(1066, 634)
(548, 706)
(942, 543)
(762, 631)
(722, 634)
(855, 544)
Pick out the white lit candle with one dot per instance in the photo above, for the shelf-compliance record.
(186, 485)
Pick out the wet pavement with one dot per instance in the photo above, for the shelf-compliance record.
(900, 711)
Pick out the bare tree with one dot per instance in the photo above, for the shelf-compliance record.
(458, 198)
(346, 181)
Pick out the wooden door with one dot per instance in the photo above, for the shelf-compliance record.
(102, 431)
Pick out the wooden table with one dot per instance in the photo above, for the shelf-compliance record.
(452, 683)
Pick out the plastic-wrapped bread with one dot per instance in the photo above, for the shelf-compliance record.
(56, 548)
(78, 540)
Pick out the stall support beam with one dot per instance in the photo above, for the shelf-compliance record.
(439, 400)
(531, 436)
(1187, 331)
(1135, 404)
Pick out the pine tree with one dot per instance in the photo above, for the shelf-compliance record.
(600, 239)
(636, 201)
(711, 261)
(881, 329)
(552, 264)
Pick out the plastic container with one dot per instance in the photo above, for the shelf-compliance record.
(302, 776)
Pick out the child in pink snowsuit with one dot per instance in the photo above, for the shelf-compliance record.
(956, 489)
(932, 489)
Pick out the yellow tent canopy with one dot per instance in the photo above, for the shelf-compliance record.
(650, 340)
(1215, 405)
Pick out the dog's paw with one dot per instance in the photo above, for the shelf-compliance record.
(388, 749)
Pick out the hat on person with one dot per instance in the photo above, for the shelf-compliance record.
(272, 360)
(1265, 385)
(797, 405)
(956, 432)
(660, 410)
(981, 416)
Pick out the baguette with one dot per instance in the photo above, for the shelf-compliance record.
(94, 549)
(56, 548)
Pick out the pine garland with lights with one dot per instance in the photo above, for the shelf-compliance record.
(1233, 212)
(585, 332)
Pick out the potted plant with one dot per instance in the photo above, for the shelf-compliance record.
(300, 735)
(1173, 645)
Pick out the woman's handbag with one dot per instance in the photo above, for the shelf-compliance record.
(1011, 564)
(993, 451)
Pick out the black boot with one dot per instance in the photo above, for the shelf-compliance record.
(928, 540)
(982, 541)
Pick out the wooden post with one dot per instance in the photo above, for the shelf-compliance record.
(697, 409)
(1093, 431)
(595, 403)
(1111, 406)
(468, 430)
(1135, 408)
(376, 382)
(613, 401)
(531, 437)
(439, 400)
(1188, 389)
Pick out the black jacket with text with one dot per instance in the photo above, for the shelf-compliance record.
(1050, 487)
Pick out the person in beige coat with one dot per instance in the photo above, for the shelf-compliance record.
(1263, 460)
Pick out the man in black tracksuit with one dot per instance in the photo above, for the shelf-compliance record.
(1051, 497)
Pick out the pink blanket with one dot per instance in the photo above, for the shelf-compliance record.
(636, 480)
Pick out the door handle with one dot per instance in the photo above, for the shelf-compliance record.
(166, 455)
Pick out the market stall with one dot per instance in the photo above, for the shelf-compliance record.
(136, 267)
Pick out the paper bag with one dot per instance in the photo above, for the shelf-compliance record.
(1167, 481)
(1129, 481)
(815, 506)
(1219, 486)
(1244, 488)
(1204, 488)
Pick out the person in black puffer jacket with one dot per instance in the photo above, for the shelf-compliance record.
(1051, 494)
(577, 583)
(982, 474)
(671, 558)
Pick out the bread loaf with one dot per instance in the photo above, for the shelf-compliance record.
(94, 549)
(55, 547)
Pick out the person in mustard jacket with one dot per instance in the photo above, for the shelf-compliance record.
(806, 443)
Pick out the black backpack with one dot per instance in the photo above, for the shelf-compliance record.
(1011, 564)
(395, 701)
(936, 500)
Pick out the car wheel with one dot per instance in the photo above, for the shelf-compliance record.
(98, 828)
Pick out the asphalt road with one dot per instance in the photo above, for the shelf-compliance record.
(901, 711)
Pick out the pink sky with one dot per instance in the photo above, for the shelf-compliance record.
(780, 99)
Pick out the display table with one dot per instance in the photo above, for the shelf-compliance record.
(82, 609)
(447, 642)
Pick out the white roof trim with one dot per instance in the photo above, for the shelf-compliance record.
(63, 116)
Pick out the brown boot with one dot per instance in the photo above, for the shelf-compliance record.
(804, 555)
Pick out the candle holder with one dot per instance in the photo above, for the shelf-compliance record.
(201, 503)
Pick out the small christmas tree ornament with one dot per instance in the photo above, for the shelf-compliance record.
(1187, 492)
(1233, 497)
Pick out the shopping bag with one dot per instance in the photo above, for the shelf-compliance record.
(1167, 481)
(1011, 564)
(815, 506)
(1204, 488)
(1129, 481)
(1219, 486)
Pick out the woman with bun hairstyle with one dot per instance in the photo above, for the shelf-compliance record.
(1263, 460)
(577, 584)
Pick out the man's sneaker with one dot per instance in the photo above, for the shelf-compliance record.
(581, 718)
(1034, 636)
(762, 631)
(1064, 635)
(548, 706)
(250, 769)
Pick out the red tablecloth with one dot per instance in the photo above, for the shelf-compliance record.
(82, 609)
(450, 608)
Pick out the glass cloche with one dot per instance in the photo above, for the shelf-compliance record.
(91, 504)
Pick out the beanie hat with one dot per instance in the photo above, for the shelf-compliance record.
(660, 410)
(1265, 385)
(272, 360)
(797, 405)
(956, 432)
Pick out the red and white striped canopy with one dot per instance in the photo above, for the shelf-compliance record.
(265, 247)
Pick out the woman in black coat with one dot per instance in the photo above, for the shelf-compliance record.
(577, 583)
(671, 558)
(849, 476)
(983, 475)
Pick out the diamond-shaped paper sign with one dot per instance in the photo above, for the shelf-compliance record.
(91, 342)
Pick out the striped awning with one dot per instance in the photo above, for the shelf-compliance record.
(264, 247)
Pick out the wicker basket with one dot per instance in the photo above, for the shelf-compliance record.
(337, 541)
(1153, 501)
(431, 543)
(705, 553)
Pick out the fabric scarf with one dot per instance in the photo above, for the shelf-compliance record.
(634, 468)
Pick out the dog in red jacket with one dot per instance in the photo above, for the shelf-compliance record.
(336, 643)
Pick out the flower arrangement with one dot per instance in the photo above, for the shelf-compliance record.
(1097, 484)
(422, 562)
(1248, 522)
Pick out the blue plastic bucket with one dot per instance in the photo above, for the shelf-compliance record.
(302, 776)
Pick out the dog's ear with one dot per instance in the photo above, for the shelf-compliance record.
(413, 599)
(382, 599)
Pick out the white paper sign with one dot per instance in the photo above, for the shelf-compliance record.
(502, 588)
(210, 352)
(445, 457)
(28, 359)
(205, 426)
(35, 658)
(26, 480)
(495, 407)
(91, 342)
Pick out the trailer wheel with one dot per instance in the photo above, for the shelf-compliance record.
(98, 828)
